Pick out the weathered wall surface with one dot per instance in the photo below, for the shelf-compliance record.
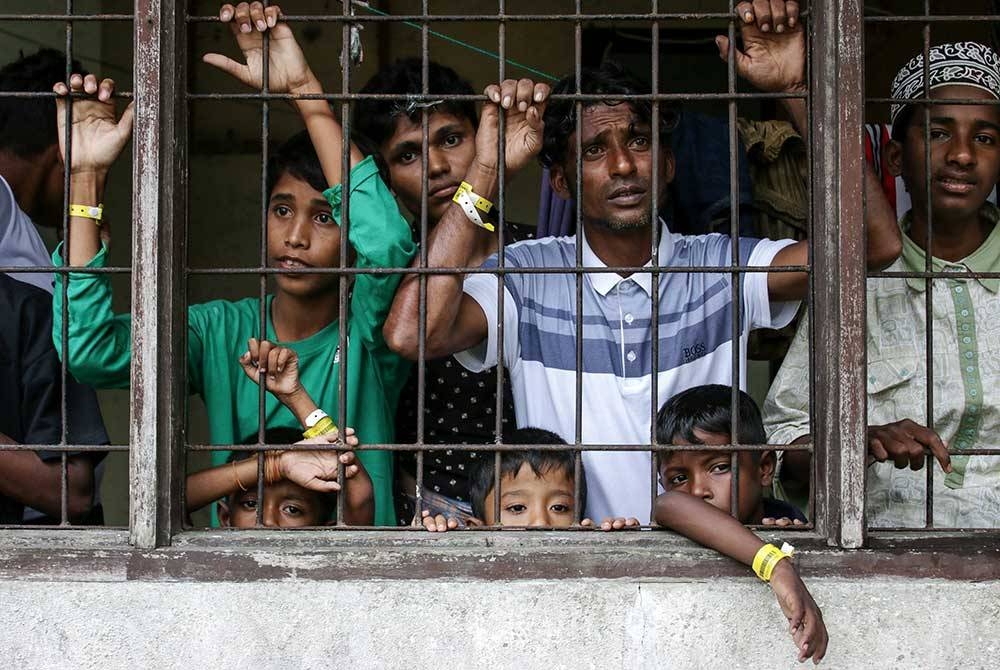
(724, 623)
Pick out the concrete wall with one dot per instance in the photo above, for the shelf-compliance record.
(725, 623)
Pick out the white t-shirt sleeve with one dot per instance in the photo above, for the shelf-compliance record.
(760, 311)
(483, 289)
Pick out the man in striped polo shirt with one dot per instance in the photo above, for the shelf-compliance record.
(696, 310)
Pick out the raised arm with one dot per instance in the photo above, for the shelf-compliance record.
(773, 60)
(456, 322)
(288, 72)
(713, 528)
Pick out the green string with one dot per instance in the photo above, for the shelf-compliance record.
(470, 47)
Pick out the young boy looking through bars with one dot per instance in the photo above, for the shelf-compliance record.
(303, 231)
(964, 145)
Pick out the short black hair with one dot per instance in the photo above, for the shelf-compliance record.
(375, 119)
(708, 409)
(296, 157)
(610, 80)
(482, 475)
(902, 123)
(281, 435)
(28, 125)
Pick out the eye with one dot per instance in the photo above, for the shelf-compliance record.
(593, 151)
(560, 508)
(323, 218)
(407, 157)
(937, 134)
(719, 468)
(641, 142)
(292, 510)
(282, 211)
(249, 504)
(453, 140)
(516, 508)
(983, 138)
(677, 480)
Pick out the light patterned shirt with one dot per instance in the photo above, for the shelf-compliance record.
(966, 372)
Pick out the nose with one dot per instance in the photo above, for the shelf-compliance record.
(271, 516)
(539, 516)
(961, 151)
(297, 232)
(437, 162)
(700, 488)
(621, 163)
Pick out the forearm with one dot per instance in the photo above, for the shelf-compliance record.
(706, 525)
(299, 403)
(359, 500)
(86, 188)
(795, 108)
(325, 132)
(207, 486)
(885, 241)
(28, 479)
(454, 242)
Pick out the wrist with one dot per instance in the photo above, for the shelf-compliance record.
(86, 184)
(299, 403)
(309, 86)
(483, 178)
(784, 571)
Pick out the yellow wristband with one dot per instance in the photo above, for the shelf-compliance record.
(481, 203)
(767, 558)
(88, 212)
(322, 427)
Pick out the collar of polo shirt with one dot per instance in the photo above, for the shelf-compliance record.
(604, 282)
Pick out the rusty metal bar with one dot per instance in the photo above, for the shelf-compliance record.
(520, 447)
(583, 97)
(839, 252)
(654, 307)
(157, 391)
(710, 269)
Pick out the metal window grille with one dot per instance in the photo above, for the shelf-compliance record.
(160, 271)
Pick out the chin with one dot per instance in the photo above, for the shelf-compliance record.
(626, 224)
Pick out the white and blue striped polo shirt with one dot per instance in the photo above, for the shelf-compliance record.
(695, 332)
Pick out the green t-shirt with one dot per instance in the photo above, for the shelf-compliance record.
(100, 341)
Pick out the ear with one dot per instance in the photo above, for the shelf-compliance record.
(669, 165)
(894, 157)
(768, 462)
(559, 182)
(222, 509)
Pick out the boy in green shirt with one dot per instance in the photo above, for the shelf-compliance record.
(303, 231)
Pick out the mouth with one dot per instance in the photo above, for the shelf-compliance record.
(445, 191)
(627, 196)
(290, 263)
(955, 185)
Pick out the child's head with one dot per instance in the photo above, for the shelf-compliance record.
(536, 487)
(395, 129)
(703, 415)
(964, 139)
(286, 504)
(301, 231)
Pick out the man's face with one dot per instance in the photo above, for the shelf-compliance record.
(964, 154)
(528, 499)
(708, 475)
(50, 205)
(301, 233)
(286, 505)
(449, 154)
(617, 179)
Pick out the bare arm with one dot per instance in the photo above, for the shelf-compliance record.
(456, 322)
(35, 483)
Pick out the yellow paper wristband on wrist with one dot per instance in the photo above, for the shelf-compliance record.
(481, 203)
(766, 559)
(88, 212)
(322, 427)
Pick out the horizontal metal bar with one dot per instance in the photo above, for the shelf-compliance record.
(128, 95)
(591, 97)
(935, 101)
(94, 448)
(915, 274)
(491, 18)
(711, 269)
(63, 269)
(507, 447)
(66, 17)
(938, 18)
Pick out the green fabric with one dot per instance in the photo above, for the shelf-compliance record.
(984, 259)
(100, 341)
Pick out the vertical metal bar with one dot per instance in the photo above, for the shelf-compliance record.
(501, 213)
(265, 137)
(158, 317)
(578, 137)
(928, 266)
(736, 297)
(343, 314)
(64, 330)
(422, 279)
(654, 307)
(836, 89)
